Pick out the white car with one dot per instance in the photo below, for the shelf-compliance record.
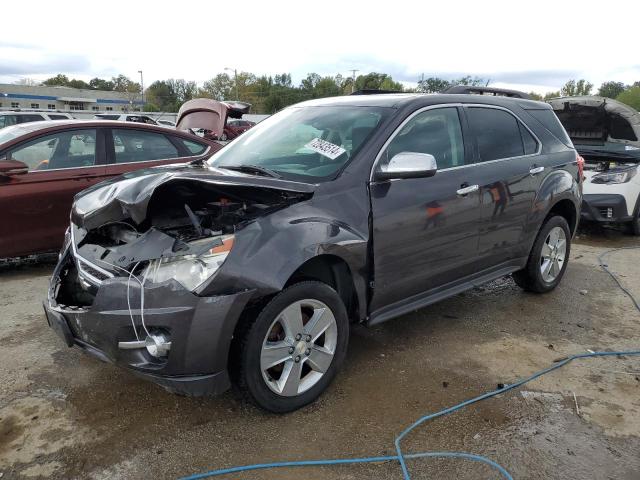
(165, 123)
(606, 133)
(126, 117)
(14, 117)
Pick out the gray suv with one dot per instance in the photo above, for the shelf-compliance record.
(251, 266)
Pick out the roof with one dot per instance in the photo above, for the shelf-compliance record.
(399, 100)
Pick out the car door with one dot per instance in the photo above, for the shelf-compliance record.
(35, 206)
(509, 176)
(425, 230)
(135, 148)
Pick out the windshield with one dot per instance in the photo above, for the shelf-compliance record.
(303, 143)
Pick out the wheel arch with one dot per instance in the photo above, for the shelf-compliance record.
(335, 272)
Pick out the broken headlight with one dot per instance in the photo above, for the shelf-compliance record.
(615, 176)
(191, 271)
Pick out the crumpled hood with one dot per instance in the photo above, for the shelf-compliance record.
(591, 118)
(128, 196)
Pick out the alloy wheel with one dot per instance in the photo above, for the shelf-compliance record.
(553, 254)
(299, 347)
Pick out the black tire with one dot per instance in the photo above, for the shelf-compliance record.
(249, 375)
(530, 277)
(635, 223)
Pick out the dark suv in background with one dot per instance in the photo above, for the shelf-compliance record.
(251, 265)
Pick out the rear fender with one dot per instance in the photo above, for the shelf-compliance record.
(556, 186)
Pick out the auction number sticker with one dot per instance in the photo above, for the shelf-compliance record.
(325, 148)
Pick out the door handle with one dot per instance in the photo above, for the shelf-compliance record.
(467, 190)
(535, 170)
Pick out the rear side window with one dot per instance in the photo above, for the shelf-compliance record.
(138, 146)
(497, 133)
(530, 143)
(71, 149)
(549, 119)
(194, 147)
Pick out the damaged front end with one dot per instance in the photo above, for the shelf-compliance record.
(138, 255)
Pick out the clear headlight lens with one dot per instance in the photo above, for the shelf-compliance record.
(189, 270)
(617, 176)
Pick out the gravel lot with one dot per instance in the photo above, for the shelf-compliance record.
(66, 415)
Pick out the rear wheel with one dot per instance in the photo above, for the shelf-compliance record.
(295, 347)
(548, 258)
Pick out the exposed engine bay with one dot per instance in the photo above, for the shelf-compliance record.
(188, 211)
(187, 233)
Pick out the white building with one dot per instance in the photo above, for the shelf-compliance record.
(66, 99)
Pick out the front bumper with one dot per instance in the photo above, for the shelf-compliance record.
(200, 329)
(605, 207)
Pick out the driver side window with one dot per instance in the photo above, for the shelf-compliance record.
(437, 132)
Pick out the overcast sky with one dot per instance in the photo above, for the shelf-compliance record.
(522, 44)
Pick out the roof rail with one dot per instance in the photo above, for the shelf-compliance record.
(499, 92)
(372, 91)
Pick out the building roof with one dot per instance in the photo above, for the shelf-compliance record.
(66, 94)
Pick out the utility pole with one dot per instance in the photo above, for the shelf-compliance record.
(235, 76)
(353, 77)
(141, 88)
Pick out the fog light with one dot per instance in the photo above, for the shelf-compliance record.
(158, 344)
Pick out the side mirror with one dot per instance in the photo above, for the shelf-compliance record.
(12, 167)
(409, 165)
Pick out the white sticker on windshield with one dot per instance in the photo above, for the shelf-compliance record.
(325, 148)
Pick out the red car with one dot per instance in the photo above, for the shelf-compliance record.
(213, 118)
(44, 164)
(235, 128)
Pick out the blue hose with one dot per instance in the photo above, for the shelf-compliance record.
(401, 457)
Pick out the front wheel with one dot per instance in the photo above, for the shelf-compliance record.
(295, 347)
(635, 223)
(548, 258)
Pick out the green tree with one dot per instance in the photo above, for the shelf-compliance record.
(470, 81)
(74, 83)
(611, 89)
(101, 84)
(59, 80)
(218, 88)
(124, 84)
(432, 85)
(377, 81)
(549, 95)
(162, 96)
(574, 89)
(631, 96)
(536, 96)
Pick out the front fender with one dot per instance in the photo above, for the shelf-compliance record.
(267, 252)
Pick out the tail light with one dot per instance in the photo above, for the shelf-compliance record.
(580, 162)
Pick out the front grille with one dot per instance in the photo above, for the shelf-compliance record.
(90, 272)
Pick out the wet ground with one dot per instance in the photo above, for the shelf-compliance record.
(66, 415)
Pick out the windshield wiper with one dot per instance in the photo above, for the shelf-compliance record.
(255, 169)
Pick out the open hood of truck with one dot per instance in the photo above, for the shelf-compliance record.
(209, 114)
(128, 196)
(593, 120)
